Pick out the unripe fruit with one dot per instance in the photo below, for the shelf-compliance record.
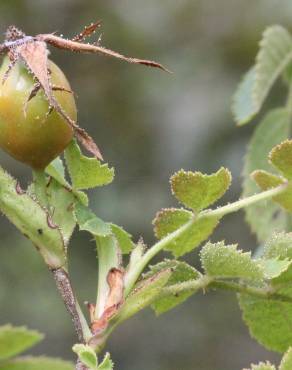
(33, 137)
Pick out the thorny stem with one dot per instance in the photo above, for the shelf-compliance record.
(219, 212)
(80, 366)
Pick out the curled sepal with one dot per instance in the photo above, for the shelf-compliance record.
(32, 220)
(190, 231)
(286, 363)
(281, 158)
(180, 272)
(86, 172)
(86, 355)
(266, 180)
(143, 294)
(198, 191)
(226, 261)
(15, 340)
(107, 363)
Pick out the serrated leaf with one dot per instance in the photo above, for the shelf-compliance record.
(88, 221)
(274, 268)
(244, 107)
(57, 171)
(281, 158)
(198, 191)
(32, 220)
(168, 220)
(86, 355)
(86, 172)
(143, 295)
(37, 363)
(106, 364)
(221, 260)
(286, 363)
(279, 247)
(124, 239)
(15, 340)
(268, 320)
(264, 217)
(274, 56)
(180, 272)
(266, 180)
(195, 231)
(262, 366)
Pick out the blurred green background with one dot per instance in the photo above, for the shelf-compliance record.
(148, 125)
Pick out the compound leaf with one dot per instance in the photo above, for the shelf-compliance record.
(106, 364)
(88, 221)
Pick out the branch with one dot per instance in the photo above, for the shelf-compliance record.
(219, 212)
(65, 289)
(206, 282)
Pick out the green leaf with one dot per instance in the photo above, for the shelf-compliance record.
(274, 268)
(61, 202)
(57, 171)
(124, 239)
(268, 320)
(226, 261)
(244, 107)
(274, 56)
(88, 221)
(198, 191)
(106, 364)
(266, 180)
(86, 355)
(86, 172)
(279, 247)
(143, 295)
(263, 366)
(180, 272)
(32, 220)
(286, 363)
(194, 233)
(37, 363)
(281, 158)
(264, 217)
(168, 220)
(15, 340)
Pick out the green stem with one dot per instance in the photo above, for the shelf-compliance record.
(206, 282)
(134, 274)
